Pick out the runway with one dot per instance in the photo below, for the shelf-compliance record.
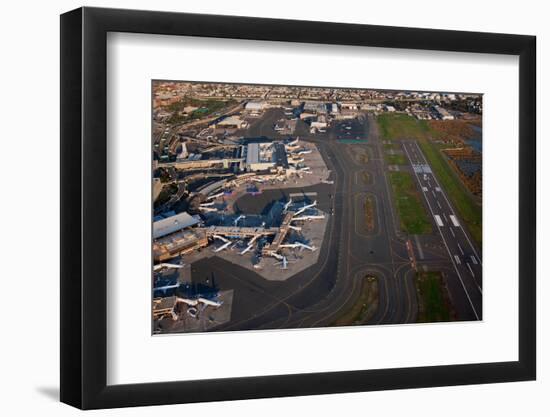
(464, 257)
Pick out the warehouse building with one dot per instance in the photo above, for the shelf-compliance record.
(179, 243)
(255, 106)
(315, 107)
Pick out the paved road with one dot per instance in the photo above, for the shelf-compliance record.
(462, 253)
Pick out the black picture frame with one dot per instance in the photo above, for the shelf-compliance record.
(84, 207)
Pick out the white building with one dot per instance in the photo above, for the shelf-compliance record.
(369, 107)
(173, 224)
(349, 106)
(232, 122)
(255, 106)
(319, 123)
(315, 107)
(443, 113)
(183, 153)
(259, 156)
(262, 156)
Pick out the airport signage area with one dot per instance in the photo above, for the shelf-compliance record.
(258, 208)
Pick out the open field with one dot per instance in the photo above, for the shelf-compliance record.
(433, 301)
(402, 126)
(399, 126)
(412, 214)
(389, 146)
(369, 213)
(365, 307)
(452, 130)
(203, 108)
(467, 208)
(396, 159)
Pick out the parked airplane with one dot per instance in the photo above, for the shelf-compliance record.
(223, 239)
(209, 302)
(304, 208)
(283, 262)
(303, 218)
(212, 197)
(222, 247)
(158, 267)
(295, 161)
(287, 204)
(247, 249)
(166, 288)
(197, 301)
(242, 216)
(298, 245)
(294, 142)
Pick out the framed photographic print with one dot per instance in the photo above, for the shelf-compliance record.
(257, 208)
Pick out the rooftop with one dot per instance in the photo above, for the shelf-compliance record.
(160, 304)
(172, 224)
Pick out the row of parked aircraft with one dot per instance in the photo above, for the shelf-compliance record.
(297, 216)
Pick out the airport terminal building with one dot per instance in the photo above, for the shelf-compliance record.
(263, 155)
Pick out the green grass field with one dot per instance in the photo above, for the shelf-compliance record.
(389, 146)
(204, 108)
(352, 141)
(364, 308)
(397, 159)
(433, 301)
(402, 126)
(467, 208)
(369, 214)
(412, 214)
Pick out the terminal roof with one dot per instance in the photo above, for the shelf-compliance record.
(173, 224)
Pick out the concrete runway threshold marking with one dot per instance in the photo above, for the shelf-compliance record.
(419, 246)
